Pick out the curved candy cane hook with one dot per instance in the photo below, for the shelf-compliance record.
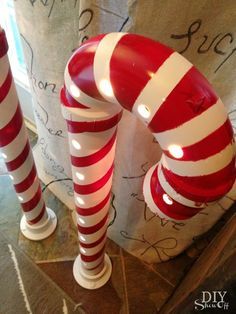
(176, 103)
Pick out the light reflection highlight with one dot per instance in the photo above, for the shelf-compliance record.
(20, 198)
(81, 221)
(76, 144)
(106, 88)
(167, 199)
(80, 176)
(176, 151)
(74, 91)
(80, 200)
(144, 111)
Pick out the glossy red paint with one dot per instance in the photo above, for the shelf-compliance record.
(95, 186)
(209, 146)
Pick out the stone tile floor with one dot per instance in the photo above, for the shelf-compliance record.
(134, 287)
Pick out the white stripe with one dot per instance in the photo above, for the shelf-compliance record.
(90, 143)
(148, 195)
(201, 167)
(195, 129)
(102, 61)
(93, 237)
(96, 105)
(8, 106)
(90, 115)
(95, 198)
(20, 281)
(4, 68)
(83, 98)
(90, 174)
(14, 148)
(161, 84)
(94, 250)
(173, 194)
(23, 171)
(90, 220)
(91, 265)
(28, 194)
(35, 211)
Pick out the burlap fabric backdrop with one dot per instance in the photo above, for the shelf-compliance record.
(203, 31)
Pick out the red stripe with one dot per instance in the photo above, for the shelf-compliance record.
(94, 228)
(131, 69)
(80, 67)
(192, 96)
(68, 101)
(209, 146)
(93, 187)
(92, 258)
(3, 44)
(205, 188)
(94, 126)
(27, 182)
(38, 218)
(94, 158)
(31, 204)
(176, 210)
(11, 130)
(17, 162)
(4, 89)
(95, 209)
(91, 245)
(98, 265)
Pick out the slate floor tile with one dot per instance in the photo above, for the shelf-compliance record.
(25, 289)
(62, 245)
(107, 299)
(9, 209)
(146, 290)
(175, 269)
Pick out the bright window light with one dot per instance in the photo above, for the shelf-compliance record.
(15, 53)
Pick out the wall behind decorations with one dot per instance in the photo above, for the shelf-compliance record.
(203, 31)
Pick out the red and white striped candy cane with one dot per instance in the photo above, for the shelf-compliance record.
(92, 140)
(37, 222)
(173, 99)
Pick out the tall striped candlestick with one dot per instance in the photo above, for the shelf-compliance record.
(37, 222)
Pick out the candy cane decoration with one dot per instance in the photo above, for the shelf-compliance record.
(176, 103)
(92, 141)
(37, 222)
